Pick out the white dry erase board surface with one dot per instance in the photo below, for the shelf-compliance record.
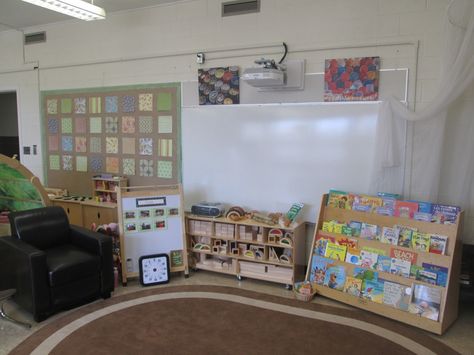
(150, 225)
(266, 157)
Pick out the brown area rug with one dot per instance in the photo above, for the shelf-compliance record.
(225, 320)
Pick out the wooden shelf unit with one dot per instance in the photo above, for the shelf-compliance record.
(105, 189)
(452, 260)
(226, 242)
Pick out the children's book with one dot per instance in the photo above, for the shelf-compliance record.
(328, 226)
(422, 216)
(403, 255)
(420, 241)
(348, 242)
(374, 250)
(444, 213)
(425, 301)
(335, 277)
(388, 201)
(400, 267)
(414, 270)
(438, 244)
(389, 235)
(369, 231)
(366, 200)
(396, 295)
(335, 251)
(340, 199)
(319, 266)
(384, 211)
(365, 274)
(373, 290)
(361, 208)
(404, 235)
(353, 256)
(425, 207)
(367, 259)
(338, 228)
(388, 195)
(383, 263)
(353, 286)
(356, 227)
(441, 272)
(321, 242)
(346, 230)
(427, 276)
(405, 209)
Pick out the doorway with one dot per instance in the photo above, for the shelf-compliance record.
(9, 141)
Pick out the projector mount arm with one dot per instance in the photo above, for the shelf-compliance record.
(270, 63)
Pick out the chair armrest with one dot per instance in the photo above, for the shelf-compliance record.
(99, 244)
(24, 268)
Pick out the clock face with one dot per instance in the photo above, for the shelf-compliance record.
(154, 269)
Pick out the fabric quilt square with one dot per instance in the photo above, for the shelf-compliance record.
(53, 143)
(145, 146)
(165, 147)
(54, 162)
(67, 162)
(128, 166)
(145, 125)
(165, 169)
(112, 165)
(80, 105)
(165, 124)
(111, 104)
(66, 125)
(128, 103)
(67, 143)
(53, 125)
(146, 167)
(96, 164)
(111, 145)
(128, 124)
(81, 144)
(164, 101)
(80, 125)
(128, 145)
(95, 124)
(95, 145)
(52, 106)
(145, 102)
(111, 125)
(66, 106)
(95, 104)
(81, 163)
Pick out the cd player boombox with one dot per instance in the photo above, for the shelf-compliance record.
(208, 209)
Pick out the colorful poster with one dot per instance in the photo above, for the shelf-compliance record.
(219, 86)
(351, 79)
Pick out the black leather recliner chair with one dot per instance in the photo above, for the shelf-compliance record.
(54, 265)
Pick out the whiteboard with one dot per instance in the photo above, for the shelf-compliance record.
(265, 157)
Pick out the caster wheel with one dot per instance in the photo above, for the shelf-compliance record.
(289, 287)
(239, 277)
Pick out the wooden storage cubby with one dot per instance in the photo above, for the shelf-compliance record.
(452, 260)
(243, 249)
(104, 189)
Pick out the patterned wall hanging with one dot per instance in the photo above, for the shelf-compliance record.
(351, 79)
(132, 131)
(219, 86)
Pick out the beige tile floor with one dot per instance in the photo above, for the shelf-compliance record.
(459, 336)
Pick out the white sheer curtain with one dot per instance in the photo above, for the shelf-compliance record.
(430, 124)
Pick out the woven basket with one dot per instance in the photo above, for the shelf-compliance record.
(303, 297)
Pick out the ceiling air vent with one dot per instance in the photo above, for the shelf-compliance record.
(32, 38)
(231, 8)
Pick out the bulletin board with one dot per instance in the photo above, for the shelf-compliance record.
(132, 131)
(151, 221)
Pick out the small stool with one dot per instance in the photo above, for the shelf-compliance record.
(4, 296)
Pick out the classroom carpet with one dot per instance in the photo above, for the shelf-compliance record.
(223, 320)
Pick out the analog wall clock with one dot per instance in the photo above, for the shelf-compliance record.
(154, 269)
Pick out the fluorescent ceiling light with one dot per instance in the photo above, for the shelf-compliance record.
(75, 8)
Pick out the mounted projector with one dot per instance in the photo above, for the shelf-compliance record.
(208, 209)
(275, 77)
(264, 77)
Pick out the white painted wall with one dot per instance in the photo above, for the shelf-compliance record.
(159, 45)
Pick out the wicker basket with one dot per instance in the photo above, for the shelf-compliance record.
(303, 297)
